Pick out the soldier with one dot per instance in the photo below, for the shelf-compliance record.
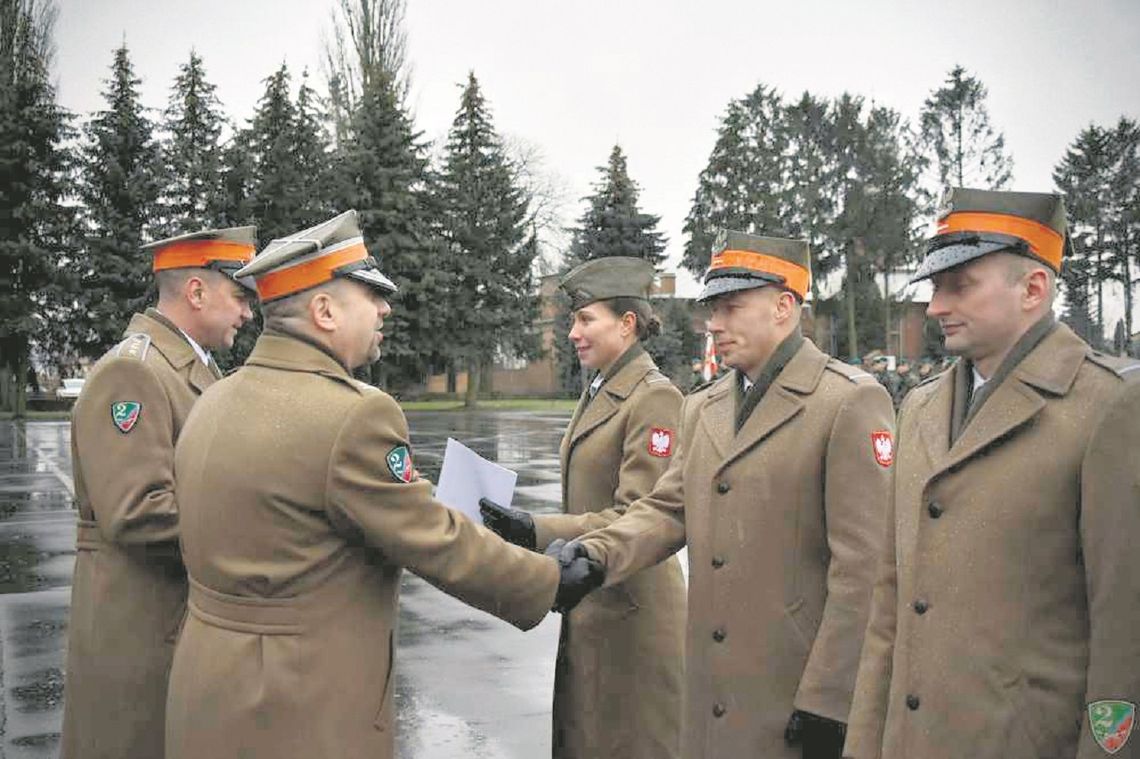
(300, 506)
(1006, 606)
(617, 682)
(128, 596)
(778, 486)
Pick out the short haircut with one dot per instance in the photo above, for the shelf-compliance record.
(279, 313)
(1018, 266)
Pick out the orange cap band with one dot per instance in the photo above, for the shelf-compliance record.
(796, 278)
(1044, 242)
(277, 284)
(199, 254)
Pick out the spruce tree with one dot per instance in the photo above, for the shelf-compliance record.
(962, 144)
(742, 185)
(33, 162)
(119, 183)
(809, 206)
(383, 172)
(493, 303)
(193, 195)
(613, 224)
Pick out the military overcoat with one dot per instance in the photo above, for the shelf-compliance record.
(1008, 595)
(128, 596)
(618, 677)
(300, 506)
(783, 521)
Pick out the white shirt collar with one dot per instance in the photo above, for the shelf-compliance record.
(198, 349)
(979, 380)
(597, 383)
(747, 382)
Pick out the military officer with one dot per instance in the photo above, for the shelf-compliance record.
(617, 681)
(777, 486)
(300, 505)
(128, 595)
(1005, 612)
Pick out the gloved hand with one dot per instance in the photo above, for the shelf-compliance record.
(512, 525)
(818, 737)
(580, 573)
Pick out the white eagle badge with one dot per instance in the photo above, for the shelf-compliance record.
(660, 442)
(883, 445)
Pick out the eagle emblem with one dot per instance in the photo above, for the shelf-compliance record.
(883, 446)
(660, 442)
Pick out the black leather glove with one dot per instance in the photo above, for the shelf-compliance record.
(580, 573)
(512, 525)
(818, 737)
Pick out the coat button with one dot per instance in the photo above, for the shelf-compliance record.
(722, 487)
(717, 562)
(719, 710)
(934, 510)
(719, 635)
(920, 606)
(912, 702)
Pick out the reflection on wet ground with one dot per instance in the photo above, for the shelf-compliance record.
(467, 684)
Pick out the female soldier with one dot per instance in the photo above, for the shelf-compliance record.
(617, 685)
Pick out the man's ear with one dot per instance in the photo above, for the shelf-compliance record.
(1037, 289)
(194, 290)
(785, 305)
(322, 310)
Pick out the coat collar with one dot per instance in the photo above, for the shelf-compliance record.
(609, 397)
(167, 339)
(280, 350)
(1049, 370)
(782, 402)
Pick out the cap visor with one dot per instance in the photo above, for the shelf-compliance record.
(721, 285)
(949, 256)
(373, 278)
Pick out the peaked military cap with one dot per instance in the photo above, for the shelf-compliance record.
(744, 261)
(313, 256)
(975, 223)
(608, 277)
(225, 250)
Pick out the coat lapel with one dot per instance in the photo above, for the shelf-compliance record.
(168, 340)
(718, 417)
(609, 397)
(935, 417)
(1048, 370)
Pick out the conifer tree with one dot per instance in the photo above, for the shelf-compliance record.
(613, 224)
(119, 183)
(33, 164)
(193, 194)
(963, 145)
(493, 303)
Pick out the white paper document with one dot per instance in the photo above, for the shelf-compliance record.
(466, 477)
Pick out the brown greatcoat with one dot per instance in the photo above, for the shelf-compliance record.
(783, 521)
(1007, 598)
(617, 683)
(128, 595)
(300, 507)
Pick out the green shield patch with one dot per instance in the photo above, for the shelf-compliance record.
(400, 463)
(125, 414)
(1111, 723)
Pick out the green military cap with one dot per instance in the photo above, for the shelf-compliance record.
(225, 250)
(313, 256)
(744, 261)
(975, 223)
(608, 277)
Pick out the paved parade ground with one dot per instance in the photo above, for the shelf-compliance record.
(467, 685)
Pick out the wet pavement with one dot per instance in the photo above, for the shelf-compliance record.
(467, 685)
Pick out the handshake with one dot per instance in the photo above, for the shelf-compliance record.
(579, 574)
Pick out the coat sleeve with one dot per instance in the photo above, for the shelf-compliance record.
(369, 501)
(658, 407)
(653, 527)
(856, 488)
(128, 477)
(1110, 532)
(868, 715)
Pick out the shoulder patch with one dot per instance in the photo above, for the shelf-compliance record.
(1121, 367)
(399, 461)
(135, 346)
(125, 414)
(853, 373)
(661, 442)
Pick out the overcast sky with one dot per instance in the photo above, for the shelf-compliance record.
(575, 76)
